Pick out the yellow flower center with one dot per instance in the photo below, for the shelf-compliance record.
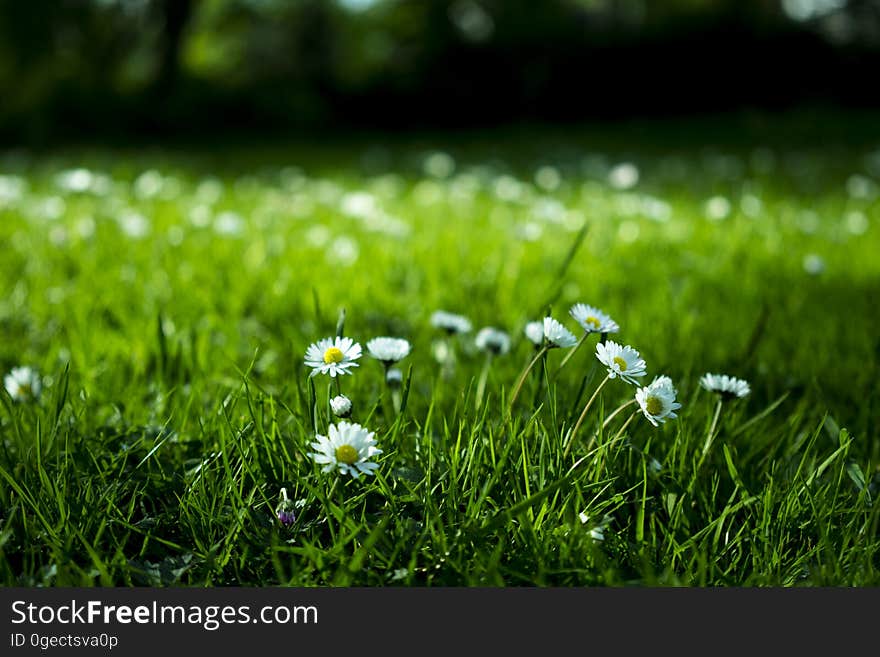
(25, 389)
(593, 321)
(617, 360)
(346, 454)
(333, 355)
(654, 405)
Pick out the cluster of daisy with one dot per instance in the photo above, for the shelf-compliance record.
(656, 400)
(348, 446)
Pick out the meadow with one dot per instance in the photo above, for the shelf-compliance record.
(166, 298)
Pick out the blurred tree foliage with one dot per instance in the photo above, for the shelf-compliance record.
(81, 67)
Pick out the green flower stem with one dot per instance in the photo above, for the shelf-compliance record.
(573, 433)
(571, 352)
(484, 375)
(609, 418)
(625, 425)
(711, 435)
(542, 379)
(616, 411)
(522, 377)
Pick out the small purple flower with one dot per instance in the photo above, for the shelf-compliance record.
(284, 512)
(286, 517)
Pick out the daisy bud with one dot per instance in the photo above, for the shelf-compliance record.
(394, 377)
(341, 406)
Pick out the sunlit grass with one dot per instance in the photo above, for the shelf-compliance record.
(168, 300)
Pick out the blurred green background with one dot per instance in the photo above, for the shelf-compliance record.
(122, 69)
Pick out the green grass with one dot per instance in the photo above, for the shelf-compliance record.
(177, 404)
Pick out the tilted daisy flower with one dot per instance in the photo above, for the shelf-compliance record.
(492, 340)
(535, 333)
(593, 320)
(23, 384)
(657, 400)
(556, 335)
(726, 386)
(341, 406)
(622, 362)
(450, 322)
(333, 356)
(347, 448)
(388, 350)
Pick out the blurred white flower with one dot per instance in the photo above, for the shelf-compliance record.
(726, 386)
(229, 224)
(492, 340)
(450, 322)
(388, 350)
(623, 176)
(200, 216)
(148, 184)
(751, 205)
(508, 188)
(23, 384)
(74, 180)
(134, 225)
(439, 165)
(359, 204)
(856, 222)
(344, 251)
(813, 264)
(12, 188)
(717, 208)
(535, 333)
(548, 178)
(862, 187)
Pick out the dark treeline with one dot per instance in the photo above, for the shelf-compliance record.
(114, 68)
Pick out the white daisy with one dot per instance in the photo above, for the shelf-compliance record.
(592, 319)
(535, 333)
(492, 340)
(726, 386)
(450, 322)
(623, 362)
(556, 335)
(348, 448)
(657, 400)
(333, 356)
(388, 350)
(341, 406)
(23, 384)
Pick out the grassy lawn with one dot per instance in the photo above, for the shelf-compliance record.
(167, 297)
